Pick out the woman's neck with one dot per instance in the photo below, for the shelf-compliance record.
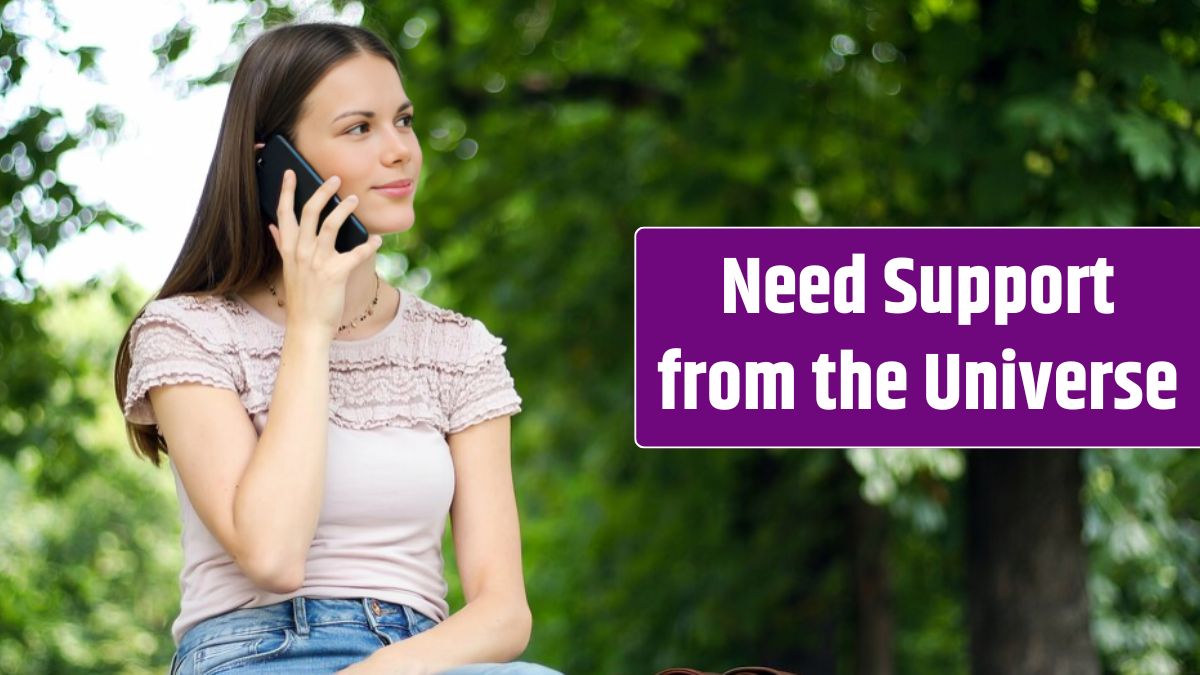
(363, 287)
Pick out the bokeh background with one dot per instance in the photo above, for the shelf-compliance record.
(552, 130)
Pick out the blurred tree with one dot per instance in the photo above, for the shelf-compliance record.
(573, 125)
(36, 212)
(1142, 525)
(1027, 564)
(76, 547)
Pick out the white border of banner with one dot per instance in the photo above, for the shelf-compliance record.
(855, 227)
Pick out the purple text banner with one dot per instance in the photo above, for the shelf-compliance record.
(916, 337)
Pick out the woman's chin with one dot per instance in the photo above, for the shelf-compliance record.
(390, 223)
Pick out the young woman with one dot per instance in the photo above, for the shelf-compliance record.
(322, 424)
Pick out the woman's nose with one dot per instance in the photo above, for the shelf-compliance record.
(398, 145)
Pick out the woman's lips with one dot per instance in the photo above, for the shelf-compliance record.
(402, 190)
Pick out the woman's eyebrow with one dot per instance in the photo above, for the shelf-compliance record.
(369, 114)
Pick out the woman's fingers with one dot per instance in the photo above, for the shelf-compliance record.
(302, 243)
(312, 211)
(359, 254)
(364, 250)
(333, 222)
(285, 212)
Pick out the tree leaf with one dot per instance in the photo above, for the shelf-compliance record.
(1189, 165)
(1147, 143)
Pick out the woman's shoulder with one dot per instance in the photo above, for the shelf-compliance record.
(427, 313)
(189, 304)
(207, 318)
(447, 335)
(472, 382)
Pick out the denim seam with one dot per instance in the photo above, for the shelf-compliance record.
(253, 631)
(254, 658)
(288, 625)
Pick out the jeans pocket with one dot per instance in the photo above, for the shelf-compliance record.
(232, 651)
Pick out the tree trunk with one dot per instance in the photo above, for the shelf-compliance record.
(875, 627)
(1027, 598)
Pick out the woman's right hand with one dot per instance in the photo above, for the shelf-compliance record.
(314, 272)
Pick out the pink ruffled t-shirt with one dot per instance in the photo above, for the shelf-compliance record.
(389, 476)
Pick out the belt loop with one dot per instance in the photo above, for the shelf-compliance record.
(372, 612)
(300, 614)
(410, 617)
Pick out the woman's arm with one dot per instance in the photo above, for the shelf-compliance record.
(495, 624)
(259, 496)
(279, 500)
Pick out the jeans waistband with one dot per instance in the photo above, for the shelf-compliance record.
(299, 614)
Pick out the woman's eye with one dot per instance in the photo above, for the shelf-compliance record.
(408, 118)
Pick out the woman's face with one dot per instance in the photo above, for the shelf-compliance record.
(357, 125)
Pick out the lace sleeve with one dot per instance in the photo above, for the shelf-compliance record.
(482, 387)
(165, 349)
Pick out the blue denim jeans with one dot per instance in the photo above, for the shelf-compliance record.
(311, 635)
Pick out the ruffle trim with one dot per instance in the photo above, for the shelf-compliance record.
(137, 404)
(414, 374)
(474, 414)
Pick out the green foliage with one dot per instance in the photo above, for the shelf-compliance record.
(551, 132)
(90, 560)
(1147, 143)
(1144, 536)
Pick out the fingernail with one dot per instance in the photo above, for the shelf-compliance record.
(352, 198)
(335, 179)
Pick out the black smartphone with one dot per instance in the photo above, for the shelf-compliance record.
(279, 155)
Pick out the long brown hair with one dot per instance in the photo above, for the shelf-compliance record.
(228, 247)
